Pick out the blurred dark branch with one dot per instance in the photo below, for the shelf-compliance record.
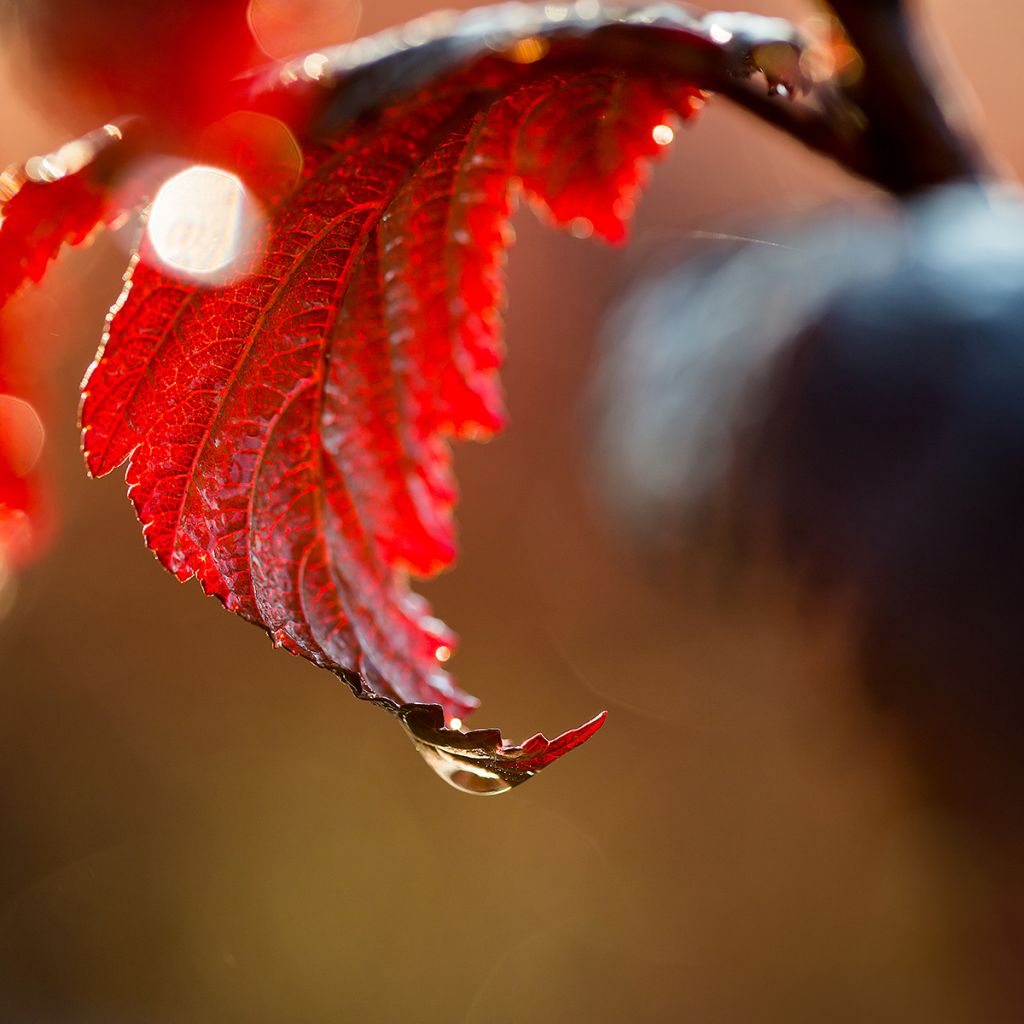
(886, 124)
(889, 125)
(910, 140)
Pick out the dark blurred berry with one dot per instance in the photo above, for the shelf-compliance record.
(853, 401)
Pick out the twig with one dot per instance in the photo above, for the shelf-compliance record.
(909, 141)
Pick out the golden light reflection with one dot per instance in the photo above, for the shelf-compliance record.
(829, 54)
(11, 181)
(528, 50)
(663, 134)
(455, 723)
(443, 653)
(202, 221)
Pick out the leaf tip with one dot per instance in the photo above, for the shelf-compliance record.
(480, 762)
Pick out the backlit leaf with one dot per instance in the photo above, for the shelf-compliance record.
(287, 429)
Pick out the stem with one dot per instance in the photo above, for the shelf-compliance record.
(888, 127)
(910, 142)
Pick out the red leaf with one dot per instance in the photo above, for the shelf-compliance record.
(56, 200)
(287, 434)
(53, 201)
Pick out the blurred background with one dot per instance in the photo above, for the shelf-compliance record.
(194, 828)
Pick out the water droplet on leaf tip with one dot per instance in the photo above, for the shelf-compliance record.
(463, 776)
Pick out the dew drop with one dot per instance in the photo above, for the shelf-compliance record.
(463, 775)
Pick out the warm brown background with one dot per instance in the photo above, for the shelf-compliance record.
(196, 829)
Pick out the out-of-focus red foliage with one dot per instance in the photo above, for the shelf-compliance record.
(38, 219)
(56, 200)
(558, 139)
(24, 512)
(170, 60)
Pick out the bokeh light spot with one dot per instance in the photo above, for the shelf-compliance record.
(314, 65)
(201, 222)
(283, 28)
(260, 149)
(663, 134)
(22, 434)
(581, 227)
